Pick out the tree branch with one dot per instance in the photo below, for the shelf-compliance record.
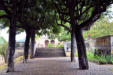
(20, 26)
(90, 21)
(62, 24)
(65, 27)
(78, 17)
(63, 19)
(96, 13)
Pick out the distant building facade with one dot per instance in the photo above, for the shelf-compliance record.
(20, 44)
(104, 43)
(43, 41)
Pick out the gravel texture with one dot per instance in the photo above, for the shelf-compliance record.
(58, 66)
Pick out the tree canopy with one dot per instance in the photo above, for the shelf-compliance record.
(101, 27)
(45, 15)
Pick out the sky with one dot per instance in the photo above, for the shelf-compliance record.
(5, 35)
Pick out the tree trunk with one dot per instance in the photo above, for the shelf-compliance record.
(83, 62)
(72, 46)
(11, 46)
(26, 46)
(32, 43)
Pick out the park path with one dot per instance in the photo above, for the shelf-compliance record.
(58, 66)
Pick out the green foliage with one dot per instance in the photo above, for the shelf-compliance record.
(84, 13)
(2, 21)
(112, 58)
(64, 35)
(2, 40)
(76, 54)
(102, 27)
(40, 18)
(51, 36)
(91, 56)
(50, 45)
(36, 37)
(101, 59)
(97, 58)
(4, 49)
(2, 12)
(59, 46)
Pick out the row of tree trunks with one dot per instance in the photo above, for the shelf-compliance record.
(11, 46)
(29, 35)
(83, 62)
(72, 45)
(82, 56)
(26, 46)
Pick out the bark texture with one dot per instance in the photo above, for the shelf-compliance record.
(32, 43)
(26, 46)
(11, 46)
(82, 57)
(72, 46)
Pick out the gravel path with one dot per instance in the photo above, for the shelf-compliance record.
(58, 66)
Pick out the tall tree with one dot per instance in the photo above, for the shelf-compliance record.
(81, 14)
(36, 20)
(13, 10)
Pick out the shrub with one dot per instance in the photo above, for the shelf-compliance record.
(98, 58)
(59, 46)
(91, 56)
(76, 54)
(50, 45)
(112, 58)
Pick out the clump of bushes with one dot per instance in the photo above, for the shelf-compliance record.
(101, 59)
(50, 45)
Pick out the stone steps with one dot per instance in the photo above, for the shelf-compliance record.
(49, 52)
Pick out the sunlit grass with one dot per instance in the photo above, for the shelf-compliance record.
(91, 57)
(3, 66)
